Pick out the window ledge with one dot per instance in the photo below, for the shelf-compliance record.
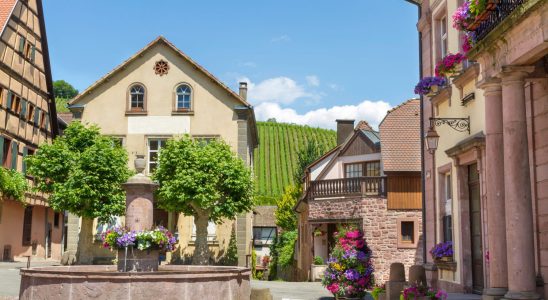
(136, 113)
(182, 113)
(209, 243)
(406, 245)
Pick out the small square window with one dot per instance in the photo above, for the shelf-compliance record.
(408, 232)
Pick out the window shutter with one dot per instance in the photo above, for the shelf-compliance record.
(21, 44)
(33, 54)
(47, 122)
(37, 116)
(25, 153)
(23, 109)
(14, 150)
(1, 151)
(8, 101)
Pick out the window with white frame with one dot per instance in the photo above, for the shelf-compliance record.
(447, 222)
(137, 98)
(184, 94)
(443, 36)
(154, 147)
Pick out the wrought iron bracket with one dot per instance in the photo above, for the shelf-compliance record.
(458, 124)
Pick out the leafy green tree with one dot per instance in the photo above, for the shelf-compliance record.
(61, 105)
(306, 156)
(286, 218)
(82, 171)
(13, 184)
(206, 181)
(64, 90)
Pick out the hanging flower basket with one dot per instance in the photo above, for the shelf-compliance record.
(445, 259)
(450, 65)
(430, 85)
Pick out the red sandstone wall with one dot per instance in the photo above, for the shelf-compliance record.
(11, 231)
(538, 143)
(379, 226)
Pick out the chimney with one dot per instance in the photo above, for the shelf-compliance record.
(243, 90)
(344, 130)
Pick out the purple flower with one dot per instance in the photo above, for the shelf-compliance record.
(425, 84)
(352, 274)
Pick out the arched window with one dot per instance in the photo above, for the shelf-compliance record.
(184, 94)
(137, 98)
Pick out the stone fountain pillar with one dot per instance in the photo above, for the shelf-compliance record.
(139, 216)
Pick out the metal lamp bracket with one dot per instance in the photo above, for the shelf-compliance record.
(458, 124)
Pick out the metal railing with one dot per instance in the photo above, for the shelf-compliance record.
(344, 187)
(502, 10)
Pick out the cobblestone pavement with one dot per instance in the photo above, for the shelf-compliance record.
(282, 290)
(10, 278)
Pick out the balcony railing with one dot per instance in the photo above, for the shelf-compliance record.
(347, 187)
(495, 16)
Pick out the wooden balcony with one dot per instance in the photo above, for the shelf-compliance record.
(348, 187)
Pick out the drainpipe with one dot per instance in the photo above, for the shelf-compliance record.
(422, 141)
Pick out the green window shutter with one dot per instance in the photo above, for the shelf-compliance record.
(8, 101)
(1, 151)
(33, 54)
(23, 108)
(21, 44)
(37, 116)
(14, 150)
(25, 153)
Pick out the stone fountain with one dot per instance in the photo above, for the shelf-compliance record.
(138, 274)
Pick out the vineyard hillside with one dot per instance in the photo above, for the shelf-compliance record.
(276, 156)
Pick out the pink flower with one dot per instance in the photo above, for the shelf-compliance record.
(333, 288)
(360, 244)
(353, 234)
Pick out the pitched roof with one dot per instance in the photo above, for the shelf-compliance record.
(158, 40)
(6, 8)
(400, 138)
(363, 125)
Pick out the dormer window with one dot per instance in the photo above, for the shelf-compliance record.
(183, 98)
(137, 98)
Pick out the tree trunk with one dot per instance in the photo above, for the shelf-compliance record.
(201, 250)
(84, 255)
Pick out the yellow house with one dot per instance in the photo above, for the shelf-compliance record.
(454, 173)
(160, 93)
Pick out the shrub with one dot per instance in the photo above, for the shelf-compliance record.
(318, 260)
(13, 184)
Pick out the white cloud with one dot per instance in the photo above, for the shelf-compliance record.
(277, 90)
(280, 39)
(371, 111)
(334, 86)
(313, 80)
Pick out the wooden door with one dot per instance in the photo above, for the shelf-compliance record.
(475, 228)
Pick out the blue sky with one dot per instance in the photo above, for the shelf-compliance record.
(306, 62)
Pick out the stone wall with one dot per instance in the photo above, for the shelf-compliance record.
(379, 226)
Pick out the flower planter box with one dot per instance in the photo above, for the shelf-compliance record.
(317, 272)
(347, 298)
(491, 5)
(138, 260)
(445, 259)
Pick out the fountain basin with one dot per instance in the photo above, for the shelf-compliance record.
(105, 282)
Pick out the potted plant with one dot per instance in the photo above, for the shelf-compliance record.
(450, 65)
(462, 18)
(430, 85)
(379, 292)
(142, 245)
(415, 292)
(442, 252)
(318, 232)
(317, 269)
(349, 272)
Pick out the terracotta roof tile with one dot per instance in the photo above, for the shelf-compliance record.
(363, 125)
(6, 7)
(400, 138)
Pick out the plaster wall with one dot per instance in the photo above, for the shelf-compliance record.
(12, 221)
(317, 169)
